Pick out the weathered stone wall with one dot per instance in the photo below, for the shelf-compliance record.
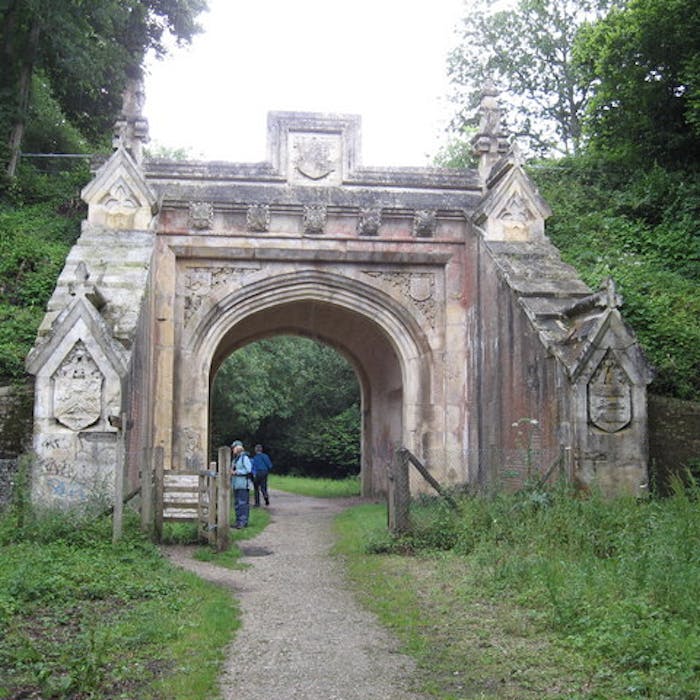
(438, 285)
(519, 414)
(16, 404)
(674, 437)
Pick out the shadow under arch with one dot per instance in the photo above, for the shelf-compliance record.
(373, 331)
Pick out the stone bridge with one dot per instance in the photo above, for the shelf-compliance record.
(467, 332)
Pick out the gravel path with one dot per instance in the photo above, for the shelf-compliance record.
(303, 634)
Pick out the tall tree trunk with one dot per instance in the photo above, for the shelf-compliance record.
(24, 84)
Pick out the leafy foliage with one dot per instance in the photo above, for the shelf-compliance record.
(645, 61)
(616, 83)
(528, 52)
(65, 64)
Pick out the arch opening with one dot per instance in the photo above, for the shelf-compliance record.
(367, 350)
(297, 397)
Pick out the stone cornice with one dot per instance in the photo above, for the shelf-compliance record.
(267, 254)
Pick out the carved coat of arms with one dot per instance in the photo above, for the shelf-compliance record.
(313, 158)
(609, 396)
(77, 390)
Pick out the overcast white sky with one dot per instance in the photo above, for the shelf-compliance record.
(382, 59)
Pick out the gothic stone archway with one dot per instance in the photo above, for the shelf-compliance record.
(439, 286)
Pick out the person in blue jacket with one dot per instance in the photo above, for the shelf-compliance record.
(241, 470)
(262, 465)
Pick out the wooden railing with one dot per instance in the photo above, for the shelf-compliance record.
(399, 496)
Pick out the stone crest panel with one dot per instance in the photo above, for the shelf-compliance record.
(609, 396)
(77, 390)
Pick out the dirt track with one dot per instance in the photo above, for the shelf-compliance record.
(303, 635)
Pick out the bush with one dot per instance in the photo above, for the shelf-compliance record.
(642, 230)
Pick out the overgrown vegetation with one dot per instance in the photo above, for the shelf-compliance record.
(641, 229)
(613, 84)
(539, 594)
(83, 618)
(39, 221)
(66, 63)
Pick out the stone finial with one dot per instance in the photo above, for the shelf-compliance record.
(491, 141)
(131, 128)
(605, 298)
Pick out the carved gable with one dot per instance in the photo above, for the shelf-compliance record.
(596, 330)
(78, 369)
(512, 208)
(119, 197)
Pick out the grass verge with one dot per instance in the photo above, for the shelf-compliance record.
(538, 595)
(83, 618)
(320, 488)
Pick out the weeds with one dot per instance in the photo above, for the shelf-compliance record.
(614, 584)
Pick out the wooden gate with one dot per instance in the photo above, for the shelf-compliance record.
(214, 502)
(203, 497)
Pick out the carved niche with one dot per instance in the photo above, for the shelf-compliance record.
(424, 223)
(77, 389)
(258, 218)
(609, 396)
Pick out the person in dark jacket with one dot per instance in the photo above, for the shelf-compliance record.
(262, 466)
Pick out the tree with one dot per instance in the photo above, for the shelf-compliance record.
(296, 396)
(85, 52)
(644, 59)
(528, 53)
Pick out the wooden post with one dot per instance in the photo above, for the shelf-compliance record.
(399, 494)
(211, 498)
(408, 456)
(223, 505)
(118, 516)
(146, 490)
(158, 487)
